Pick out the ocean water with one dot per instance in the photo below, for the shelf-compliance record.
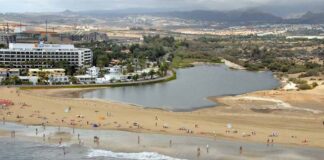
(131, 156)
(26, 150)
(120, 145)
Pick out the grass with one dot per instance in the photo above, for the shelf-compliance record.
(179, 62)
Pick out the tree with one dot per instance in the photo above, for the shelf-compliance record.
(135, 77)
(12, 81)
(112, 80)
(151, 73)
(144, 74)
(164, 67)
(73, 80)
(130, 68)
(2, 45)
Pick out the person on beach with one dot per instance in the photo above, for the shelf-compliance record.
(13, 134)
(198, 152)
(64, 152)
(36, 131)
(170, 143)
(272, 141)
(207, 148)
(78, 136)
(43, 126)
(241, 149)
(4, 120)
(43, 137)
(60, 142)
(96, 140)
(268, 142)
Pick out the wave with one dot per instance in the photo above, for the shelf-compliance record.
(133, 156)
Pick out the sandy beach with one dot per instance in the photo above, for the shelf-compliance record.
(125, 145)
(294, 117)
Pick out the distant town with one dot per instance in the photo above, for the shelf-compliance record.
(32, 64)
(134, 47)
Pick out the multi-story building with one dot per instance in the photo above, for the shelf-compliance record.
(28, 55)
(9, 72)
(7, 38)
(6, 73)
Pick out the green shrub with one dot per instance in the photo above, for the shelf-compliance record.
(297, 81)
(304, 86)
(314, 84)
(309, 73)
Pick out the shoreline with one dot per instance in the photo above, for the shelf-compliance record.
(172, 75)
(225, 113)
(264, 112)
(125, 143)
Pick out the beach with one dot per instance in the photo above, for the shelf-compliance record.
(251, 117)
(125, 145)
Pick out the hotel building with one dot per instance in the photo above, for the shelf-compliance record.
(28, 55)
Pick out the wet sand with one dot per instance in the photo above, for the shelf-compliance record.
(125, 145)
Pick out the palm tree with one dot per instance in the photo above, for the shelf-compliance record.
(151, 73)
(144, 74)
(164, 67)
(135, 77)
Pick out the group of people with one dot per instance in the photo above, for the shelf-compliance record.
(199, 151)
(270, 142)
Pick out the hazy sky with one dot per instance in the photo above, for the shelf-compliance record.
(76, 5)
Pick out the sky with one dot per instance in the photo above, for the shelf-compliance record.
(82, 5)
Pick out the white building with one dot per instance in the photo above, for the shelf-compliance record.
(108, 78)
(114, 69)
(9, 72)
(28, 55)
(31, 79)
(86, 79)
(58, 79)
(93, 71)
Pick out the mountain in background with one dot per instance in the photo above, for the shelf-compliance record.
(247, 16)
(236, 17)
(309, 18)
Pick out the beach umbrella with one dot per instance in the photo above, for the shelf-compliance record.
(229, 126)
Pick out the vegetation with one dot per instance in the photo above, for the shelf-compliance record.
(255, 53)
(14, 81)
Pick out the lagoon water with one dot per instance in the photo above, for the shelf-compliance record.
(191, 88)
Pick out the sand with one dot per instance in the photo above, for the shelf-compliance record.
(260, 114)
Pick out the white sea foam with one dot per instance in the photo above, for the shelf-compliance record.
(134, 156)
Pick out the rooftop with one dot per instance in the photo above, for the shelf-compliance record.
(39, 46)
(46, 70)
(9, 69)
(42, 47)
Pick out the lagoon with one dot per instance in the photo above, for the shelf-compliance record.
(191, 88)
